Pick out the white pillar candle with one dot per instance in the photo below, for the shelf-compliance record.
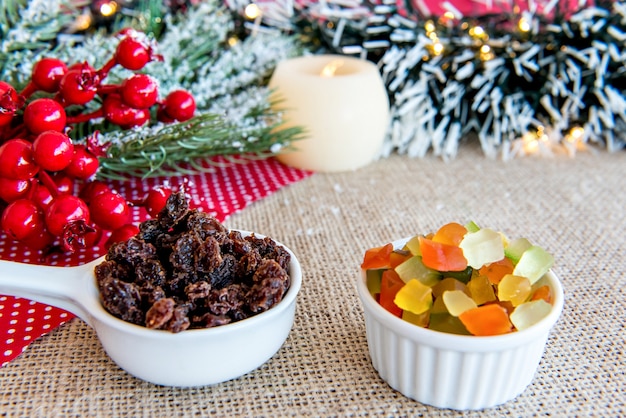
(345, 113)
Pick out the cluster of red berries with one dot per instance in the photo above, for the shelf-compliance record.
(41, 167)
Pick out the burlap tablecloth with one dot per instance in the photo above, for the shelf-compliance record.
(575, 208)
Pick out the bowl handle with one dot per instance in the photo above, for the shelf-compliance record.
(63, 287)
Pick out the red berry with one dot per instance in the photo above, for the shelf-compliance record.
(83, 165)
(9, 102)
(139, 91)
(179, 105)
(79, 85)
(16, 160)
(109, 211)
(93, 236)
(63, 210)
(64, 183)
(132, 54)
(121, 234)
(22, 219)
(52, 150)
(11, 189)
(43, 239)
(43, 115)
(40, 195)
(47, 74)
(93, 189)
(155, 200)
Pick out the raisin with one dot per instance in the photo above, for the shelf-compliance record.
(160, 312)
(122, 300)
(271, 283)
(225, 273)
(184, 269)
(208, 320)
(176, 208)
(230, 298)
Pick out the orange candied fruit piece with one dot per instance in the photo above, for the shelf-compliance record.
(542, 292)
(377, 258)
(486, 320)
(497, 270)
(398, 257)
(390, 285)
(442, 257)
(451, 234)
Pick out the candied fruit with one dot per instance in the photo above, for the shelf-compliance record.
(463, 280)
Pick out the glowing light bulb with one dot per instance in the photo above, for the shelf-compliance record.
(252, 11)
(438, 48)
(524, 25)
(108, 8)
(477, 32)
(486, 53)
(429, 26)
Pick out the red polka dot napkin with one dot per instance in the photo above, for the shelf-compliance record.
(221, 193)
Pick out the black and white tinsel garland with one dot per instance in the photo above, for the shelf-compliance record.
(522, 83)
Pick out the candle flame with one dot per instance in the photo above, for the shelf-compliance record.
(331, 68)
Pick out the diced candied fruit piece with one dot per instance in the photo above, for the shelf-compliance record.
(457, 302)
(413, 245)
(415, 297)
(529, 313)
(543, 292)
(451, 234)
(497, 270)
(445, 322)
(482, 247)
(377, 258)
(491, 319)
(414, 268)
(442, 257)
(390, 284)
(420, 320)
(373, 278)
(481, 290)
(463, 276)
(449, 283)
(515, 289)
(398, 257)
(438, 306)
(516, 248)
(534, 263)
(471, 226)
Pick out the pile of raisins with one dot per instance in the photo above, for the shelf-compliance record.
(185, 270)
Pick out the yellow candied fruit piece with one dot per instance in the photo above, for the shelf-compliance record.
(481, 290)
(515, 289)
(457, 302)
(415, 297)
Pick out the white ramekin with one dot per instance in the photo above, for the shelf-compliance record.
(454, 371)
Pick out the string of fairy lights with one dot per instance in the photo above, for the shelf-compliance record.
(540, 78)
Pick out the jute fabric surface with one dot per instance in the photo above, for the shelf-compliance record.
(575, 208)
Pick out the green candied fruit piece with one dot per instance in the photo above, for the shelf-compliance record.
(529, 313)
(373, 278)
(463, 276)
(516, 248)
(444, 322)
(471, 226)
(414, 268)
(534, 263)
(482, 247)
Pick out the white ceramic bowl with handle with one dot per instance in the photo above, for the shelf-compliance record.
(461, 372)
(194, 357)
